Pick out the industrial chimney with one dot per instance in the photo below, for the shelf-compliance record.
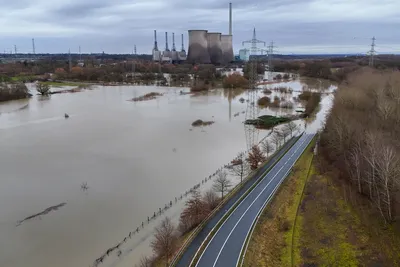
(198, 47)
(214, 47)
(230, 18)
(156, 52)
(167, 53)
(226, 41)
(182, 53)
(174, 53)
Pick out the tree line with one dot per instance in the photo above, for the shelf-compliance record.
(199, 206)
(361, 137)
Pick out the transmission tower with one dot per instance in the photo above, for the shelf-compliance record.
(372, 53)
(252, 108)
(270, 52)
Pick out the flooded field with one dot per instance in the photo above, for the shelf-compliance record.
(72, 188)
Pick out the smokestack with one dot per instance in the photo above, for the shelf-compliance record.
(166, 41)
(214, 47)
(198, 47)
(173, 42)
(155, 41)
(230, 18)
(183, 48)
(174, 53)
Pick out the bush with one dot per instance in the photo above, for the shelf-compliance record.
(264, 101)
(235, 80)
(13, 91)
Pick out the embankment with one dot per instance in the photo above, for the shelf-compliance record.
(313, 221)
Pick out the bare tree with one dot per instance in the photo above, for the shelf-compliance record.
(388, 171)
(222, 183)
(165, 239)
(285, 133)
(255, 157)
(43, 88)
(240, 166)
(276, 139)
(211, 199)
(267, 147)
(291, 127)
(145, 262)
(195, 211)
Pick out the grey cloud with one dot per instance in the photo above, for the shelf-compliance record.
(114, 26)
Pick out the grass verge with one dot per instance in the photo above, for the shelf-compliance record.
(328, 225)
(232, 208)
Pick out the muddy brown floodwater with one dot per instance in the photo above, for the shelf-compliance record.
(134, 157)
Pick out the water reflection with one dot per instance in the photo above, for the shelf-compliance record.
(135, 156)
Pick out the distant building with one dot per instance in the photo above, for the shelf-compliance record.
(244, 54)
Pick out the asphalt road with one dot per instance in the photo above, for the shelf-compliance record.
(186, 258)
(225, 247)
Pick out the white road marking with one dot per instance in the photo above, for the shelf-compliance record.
(241, 217)
(212, 238)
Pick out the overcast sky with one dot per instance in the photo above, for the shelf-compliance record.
(114, 26)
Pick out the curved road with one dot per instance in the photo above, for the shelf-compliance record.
(225, 247)
(186, 258)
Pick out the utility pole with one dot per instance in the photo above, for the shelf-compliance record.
(33, 47)
(15, 49)
(80, 55)
(372, 53)
(69, 60)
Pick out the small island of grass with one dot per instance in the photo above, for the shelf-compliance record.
(267, 121)
(198, 123)
(149, 96)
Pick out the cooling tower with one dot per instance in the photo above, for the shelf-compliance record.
(227, 50)
(174, 53)
(198, 47)
(214, 47)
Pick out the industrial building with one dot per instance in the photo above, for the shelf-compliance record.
(204, 47)
(209, 47)
(244, 54)
(168, 55)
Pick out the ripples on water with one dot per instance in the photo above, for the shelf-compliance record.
(135, 156)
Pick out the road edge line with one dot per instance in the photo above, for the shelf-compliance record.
(247, 241)
(236, 204)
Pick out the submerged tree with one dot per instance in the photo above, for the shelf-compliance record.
(43, 88)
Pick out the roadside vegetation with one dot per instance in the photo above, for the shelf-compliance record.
(198, 207)
(340, 208)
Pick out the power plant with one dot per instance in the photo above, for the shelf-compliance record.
(168, 55)
(204, 47)
(215, 48)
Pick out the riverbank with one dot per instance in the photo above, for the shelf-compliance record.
(312, 221)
